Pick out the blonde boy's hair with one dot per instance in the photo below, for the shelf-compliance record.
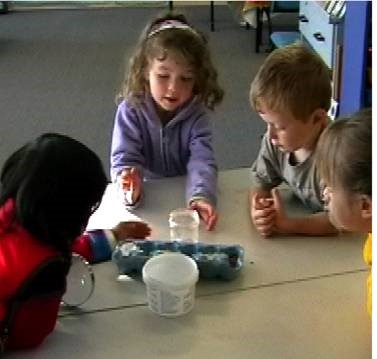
(292, 78)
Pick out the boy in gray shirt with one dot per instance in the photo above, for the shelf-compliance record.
(292, 94)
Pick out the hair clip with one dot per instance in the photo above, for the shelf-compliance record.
(170, 24)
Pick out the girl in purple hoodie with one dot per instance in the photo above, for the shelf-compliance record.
(162, 124)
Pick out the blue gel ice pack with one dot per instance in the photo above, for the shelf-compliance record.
(214, 261)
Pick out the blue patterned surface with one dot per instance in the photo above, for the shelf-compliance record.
(215, 261)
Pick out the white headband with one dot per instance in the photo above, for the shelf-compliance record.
(171, 24)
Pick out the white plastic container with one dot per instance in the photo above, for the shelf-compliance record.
(170, 279)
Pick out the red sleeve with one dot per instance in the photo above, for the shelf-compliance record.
(83, 247)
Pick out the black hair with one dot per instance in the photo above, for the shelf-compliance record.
(56, 182)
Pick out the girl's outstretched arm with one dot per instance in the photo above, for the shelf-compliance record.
(126, 143)
(98, 245)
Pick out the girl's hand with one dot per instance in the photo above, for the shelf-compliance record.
(130, 181)
(263, 214)
(131, 229)
(206, 212)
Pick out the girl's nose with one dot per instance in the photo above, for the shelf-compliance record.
(172, 85)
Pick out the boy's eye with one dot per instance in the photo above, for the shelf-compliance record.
(279, 128)
(276, 128)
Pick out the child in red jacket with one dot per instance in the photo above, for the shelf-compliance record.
(49, 189)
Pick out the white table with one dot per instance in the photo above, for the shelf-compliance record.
(267, 261)
(297, 297)
(319, 318)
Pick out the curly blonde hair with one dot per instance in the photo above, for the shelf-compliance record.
(292, 78)
(186, 43)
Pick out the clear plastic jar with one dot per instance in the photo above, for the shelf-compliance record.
(184, 225)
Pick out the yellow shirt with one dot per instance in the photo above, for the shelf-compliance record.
(367, 253)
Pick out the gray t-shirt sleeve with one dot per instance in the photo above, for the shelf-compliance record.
(308, 187)
(265, 171)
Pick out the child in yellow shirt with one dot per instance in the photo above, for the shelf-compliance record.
(344, 162)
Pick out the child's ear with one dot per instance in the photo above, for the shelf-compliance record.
(319, 115)
(366, 207)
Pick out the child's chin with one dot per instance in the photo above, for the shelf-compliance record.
(337, 224)
(282, 149)
(170, 109)
(169, 105)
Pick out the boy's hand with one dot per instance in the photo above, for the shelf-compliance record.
(130, 181)
(132, 229)
(263, 214)
(281, 222)
(206, 212)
